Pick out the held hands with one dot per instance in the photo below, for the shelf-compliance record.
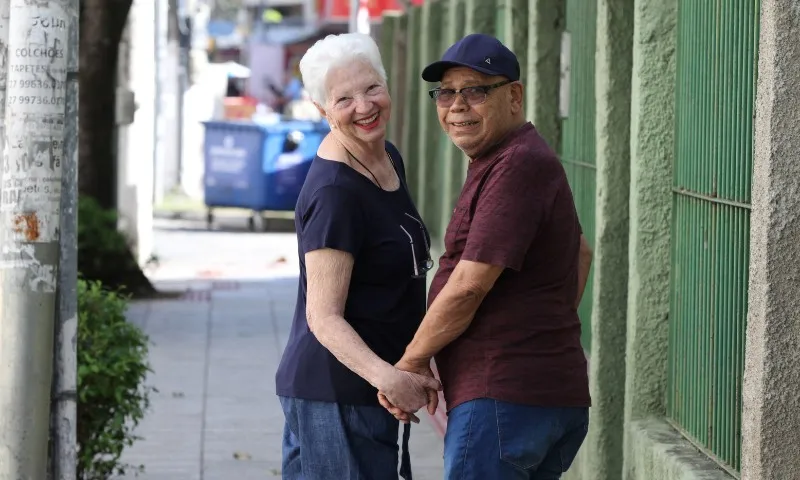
(421, 390)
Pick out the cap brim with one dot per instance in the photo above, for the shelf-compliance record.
(435, 71)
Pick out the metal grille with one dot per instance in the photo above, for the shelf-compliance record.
(717, 48)
(578, 136)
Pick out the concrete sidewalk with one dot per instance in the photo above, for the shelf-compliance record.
(215, 350)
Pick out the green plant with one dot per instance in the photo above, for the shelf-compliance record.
(98, 234)
(112, 369)
(104, 253)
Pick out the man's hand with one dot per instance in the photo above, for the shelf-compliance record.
(406, 390)
(419, 367)
(422, 367)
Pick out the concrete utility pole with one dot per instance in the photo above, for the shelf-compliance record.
(64, 409)
(5, 6)
(38, 34)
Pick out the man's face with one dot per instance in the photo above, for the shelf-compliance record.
(475, 127)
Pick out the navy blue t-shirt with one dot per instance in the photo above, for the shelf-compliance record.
(341, 209)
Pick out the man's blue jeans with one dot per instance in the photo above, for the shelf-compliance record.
(489, 439)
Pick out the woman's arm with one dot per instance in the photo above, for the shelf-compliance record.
(328, 272)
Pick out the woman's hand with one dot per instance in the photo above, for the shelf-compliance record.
(406, 391)
(400, 415)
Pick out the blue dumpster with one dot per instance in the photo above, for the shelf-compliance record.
(290, 148)
(257, 167)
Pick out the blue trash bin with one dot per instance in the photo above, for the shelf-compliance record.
(233, 153)
(290, 148)
(247, 165)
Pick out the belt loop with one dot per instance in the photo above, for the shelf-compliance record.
(405, 459)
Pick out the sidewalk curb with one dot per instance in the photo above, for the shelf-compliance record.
(196, 215)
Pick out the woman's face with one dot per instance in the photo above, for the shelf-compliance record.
(358, 104)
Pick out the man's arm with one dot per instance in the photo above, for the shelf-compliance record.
(513, 202)
(452, 311)
(584, 264)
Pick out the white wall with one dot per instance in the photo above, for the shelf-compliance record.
(135, 172)
(163, 114)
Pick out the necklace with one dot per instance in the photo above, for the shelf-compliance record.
(364, 167)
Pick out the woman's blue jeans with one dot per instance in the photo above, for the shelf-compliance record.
(327, 441)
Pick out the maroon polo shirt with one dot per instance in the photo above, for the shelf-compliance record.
(523, 346)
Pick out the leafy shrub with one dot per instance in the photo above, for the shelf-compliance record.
(97, 236)
(104, 253)
(112, 368)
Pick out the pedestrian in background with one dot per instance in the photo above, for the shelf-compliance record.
(364, 253)
(502, 320)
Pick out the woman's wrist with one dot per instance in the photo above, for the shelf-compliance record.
(378, 372)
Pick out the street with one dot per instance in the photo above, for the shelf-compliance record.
(214, 354)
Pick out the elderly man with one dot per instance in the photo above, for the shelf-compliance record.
(502, 319)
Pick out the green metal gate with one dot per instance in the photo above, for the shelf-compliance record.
(577, 128)
(717, 48)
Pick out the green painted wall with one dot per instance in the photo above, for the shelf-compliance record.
(411, 131)
(771, 406)
(389, 27)
(546, 20)
(397, 80)
(577, 130)
(481, 16)
(452, 160)
(516, 24)
(652, 137)
(430, 177)
(390, 31)
(658, 452)
(603, 447)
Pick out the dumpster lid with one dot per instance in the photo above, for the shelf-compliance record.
(280, 127)
(301, 125)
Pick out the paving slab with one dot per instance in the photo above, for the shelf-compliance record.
(214, 352)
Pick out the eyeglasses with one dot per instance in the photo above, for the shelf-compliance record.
(445, 97)
(420, 268)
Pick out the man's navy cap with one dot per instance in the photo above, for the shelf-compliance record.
(480, 52)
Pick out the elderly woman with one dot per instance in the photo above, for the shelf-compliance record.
(363, 259)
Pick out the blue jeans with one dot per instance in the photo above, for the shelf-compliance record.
(326, 441)
(489, 439)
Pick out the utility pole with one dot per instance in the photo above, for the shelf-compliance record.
(38, 35)
(63, 413)
(5, 6)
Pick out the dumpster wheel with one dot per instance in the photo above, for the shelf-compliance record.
(209, 219)
(251, 223)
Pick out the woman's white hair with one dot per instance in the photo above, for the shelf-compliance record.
(334, 51)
